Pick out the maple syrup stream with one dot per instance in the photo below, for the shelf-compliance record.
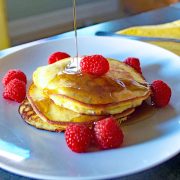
(75, 26)
(73, 67)
(75, 32)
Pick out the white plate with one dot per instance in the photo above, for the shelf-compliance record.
(147, 143)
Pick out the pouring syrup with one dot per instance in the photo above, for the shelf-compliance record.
(75, 28)
(73, 67)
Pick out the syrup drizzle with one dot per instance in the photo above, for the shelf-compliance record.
(73, 67)
(75, 28)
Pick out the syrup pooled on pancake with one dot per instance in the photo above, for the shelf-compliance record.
(92, 89)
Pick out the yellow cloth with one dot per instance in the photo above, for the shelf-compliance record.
(4, 39)
(169, 30)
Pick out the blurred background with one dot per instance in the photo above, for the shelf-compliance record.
(23, 21)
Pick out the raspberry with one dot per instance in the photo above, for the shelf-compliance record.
(57, 56)
(95, 65)
(161, 93)
(133, 62)
(15, 90)
(108, 133)
(12, 74)
(78, 137)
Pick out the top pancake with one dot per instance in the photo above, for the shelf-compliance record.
(120, 89)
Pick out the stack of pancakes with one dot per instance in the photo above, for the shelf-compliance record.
(55, 99)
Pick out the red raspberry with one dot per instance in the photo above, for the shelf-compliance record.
(15, 90)
(133, 62)
(95, 64)
(12, 74)
(108, 133)
(78, 137)
(161, 93)
(57, 56)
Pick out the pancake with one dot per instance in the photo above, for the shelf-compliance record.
(29, 116)
(49, 112)
(120, 89)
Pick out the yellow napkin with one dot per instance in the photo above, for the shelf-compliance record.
(169, 30)
(4, 39)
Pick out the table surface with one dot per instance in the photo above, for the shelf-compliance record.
(169, 170)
